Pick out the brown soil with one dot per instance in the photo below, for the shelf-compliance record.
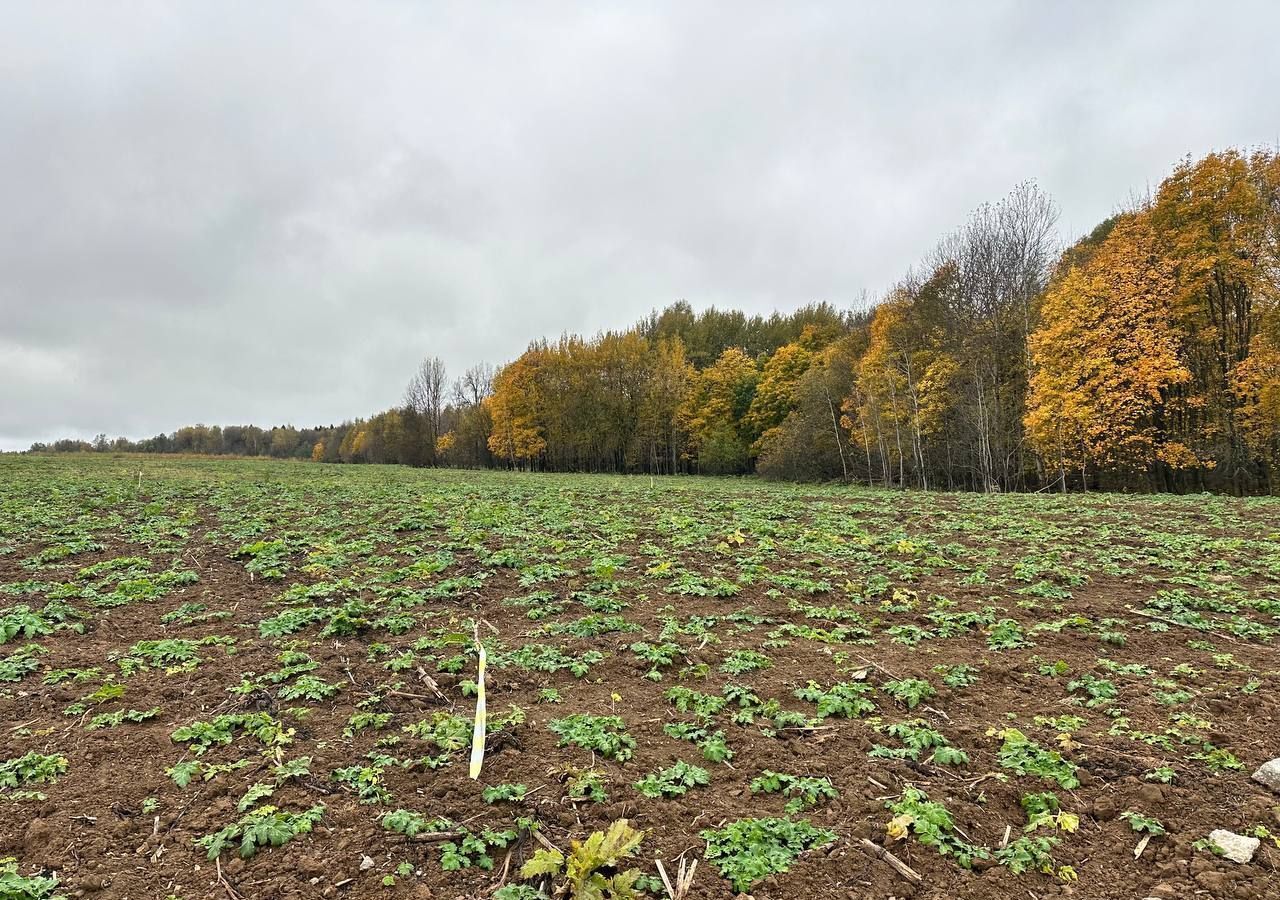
(91, 830)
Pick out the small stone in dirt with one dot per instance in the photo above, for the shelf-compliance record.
(1105, 809)
(38, 835)
(1235, 847)
(1268, 774)
(1151, 794)
(366, 863)
(1216, 883)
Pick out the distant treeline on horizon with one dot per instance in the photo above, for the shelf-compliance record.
(1146, 356)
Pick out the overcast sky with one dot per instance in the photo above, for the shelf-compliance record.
(268, 212)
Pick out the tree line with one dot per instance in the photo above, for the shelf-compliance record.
(1145, 356)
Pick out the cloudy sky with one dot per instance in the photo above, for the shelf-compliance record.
(268, 212)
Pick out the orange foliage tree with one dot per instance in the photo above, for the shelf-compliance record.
(517, 436)
(1106, 357)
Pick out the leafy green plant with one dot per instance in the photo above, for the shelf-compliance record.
(1025, 757)
(472, 849)
(804, 791)
(106, 692)
(292, 769)
(268, 559)
(918, 738)
(1100, 691)
(658, 656)
(411, 824)
(194, 614)
(702, 705)
(14, 886)
(584, 784)
(1218, 760)
(308, 687)
(713, 745)
(23, 621)
(1140, 823)
(1007, 634)
(183, 772)
(1028, 853)
(80, 676)
(21, 662)
(909, 691)
(460, 847)
(169, 652)
(32, 768)
(673, 781)
(844, 699)
(365, 781)
(1045, 810)
(256, 792)
(958, 676)
(545, 658)
(221, 730)
(504, 793)
(749, 850)
(606, 735)
(362, 720)
(266, 826)
(447, 732)
(932, 824)
(593, 625)
(742, 661)
(119, 717)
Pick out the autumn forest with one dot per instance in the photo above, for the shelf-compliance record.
(1145, 356)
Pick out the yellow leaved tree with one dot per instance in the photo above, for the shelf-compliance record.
(517, 435)
(1106, 359)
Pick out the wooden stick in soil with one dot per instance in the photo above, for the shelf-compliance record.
(879, 668)
(544, 842)
(666, 882)
(1217, 635)
(684, 879)
(898, 865)
(226, 886)
(432, 837)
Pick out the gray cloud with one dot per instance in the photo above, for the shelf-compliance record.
(233, 212)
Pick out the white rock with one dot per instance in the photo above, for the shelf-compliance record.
(366, 862)
(1235, 847)
(1269, 775)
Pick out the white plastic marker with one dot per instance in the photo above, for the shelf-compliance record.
(477, 735)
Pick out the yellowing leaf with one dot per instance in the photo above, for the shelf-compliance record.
(544, 862)
(898, 825)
